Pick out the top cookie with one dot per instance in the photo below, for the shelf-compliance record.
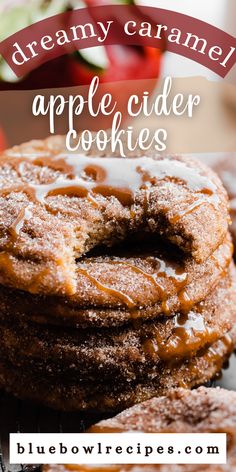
(57, 206)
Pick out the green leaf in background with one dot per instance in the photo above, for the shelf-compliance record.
(18, 14)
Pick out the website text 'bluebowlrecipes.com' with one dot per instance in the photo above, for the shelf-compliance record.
(117, 448)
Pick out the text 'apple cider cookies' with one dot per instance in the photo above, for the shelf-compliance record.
(200, 411)
(111, 268)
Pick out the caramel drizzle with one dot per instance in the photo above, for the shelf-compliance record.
(24, 215)
(190, 332)
(164, 271)
(83, 176)
(106, 176)
(225, 342)
(7, 261)
(174, 219)
(108, 290)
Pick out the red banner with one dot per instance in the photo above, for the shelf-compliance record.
(119, 24)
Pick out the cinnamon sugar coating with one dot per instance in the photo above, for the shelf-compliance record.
(111, 268)
(200, 411)
(55, 207)
(74, 370)
(110, 397)
(133, 352)
(205, 410)
(130, 283)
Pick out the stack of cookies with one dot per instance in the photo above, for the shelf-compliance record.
(116, 274)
